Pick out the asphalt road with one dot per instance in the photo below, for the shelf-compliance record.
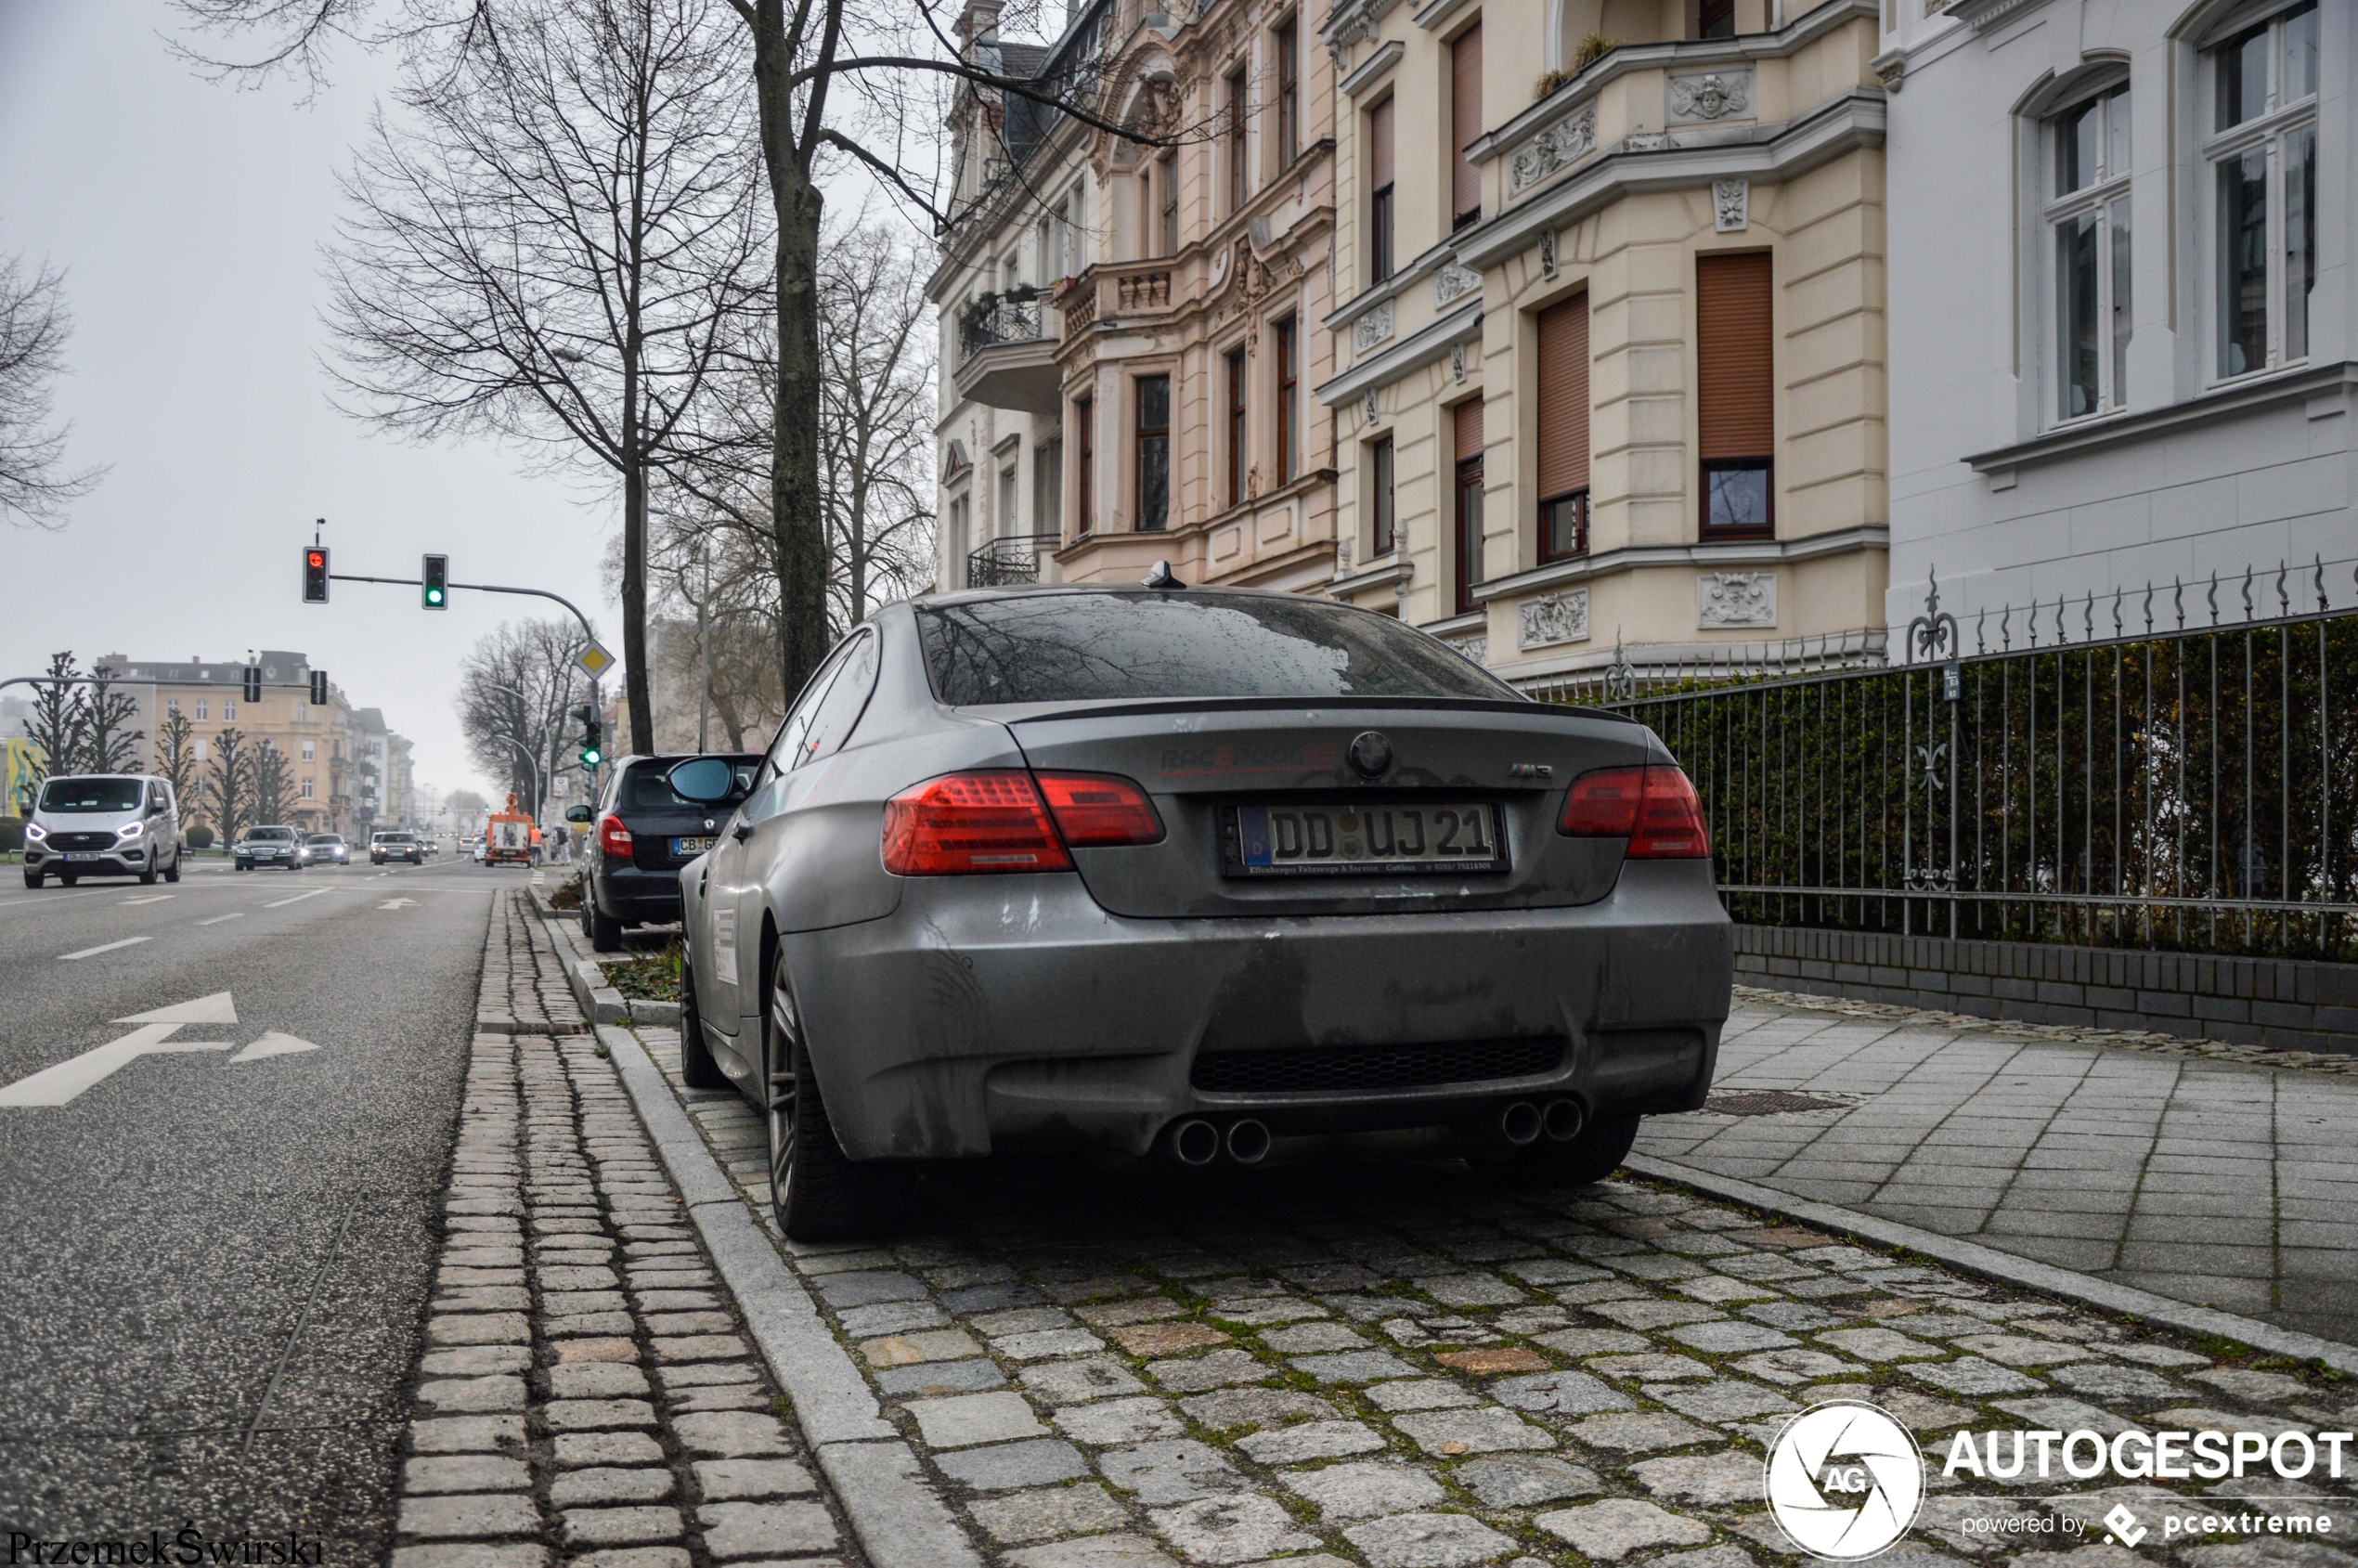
(217, 1269)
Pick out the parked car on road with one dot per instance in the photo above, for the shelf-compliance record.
(396, 844)
(268, 845)
(326, 848)
(642, 833)
(103, 825)
(1183, 872)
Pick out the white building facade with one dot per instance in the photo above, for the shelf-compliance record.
(2122, 315)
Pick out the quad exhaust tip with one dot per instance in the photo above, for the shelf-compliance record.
(1195, 1142)
(1564, 1119)
(1520, 1122)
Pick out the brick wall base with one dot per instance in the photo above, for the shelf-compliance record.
(2288, 1004)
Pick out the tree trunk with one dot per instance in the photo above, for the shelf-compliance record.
(796, 519)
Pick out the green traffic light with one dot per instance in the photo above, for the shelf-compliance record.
(433, 596)
(589, 759)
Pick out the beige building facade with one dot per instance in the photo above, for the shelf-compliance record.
(1133, 325)
(1610, 337)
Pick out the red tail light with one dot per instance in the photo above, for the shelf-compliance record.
(1653, 807)
(1101, 810)
(613, 838)
(968, 823)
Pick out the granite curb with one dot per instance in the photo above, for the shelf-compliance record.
(2005, 1268)
(599, 1002)
(900, 1520)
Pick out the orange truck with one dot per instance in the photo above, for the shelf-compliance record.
(508, 838)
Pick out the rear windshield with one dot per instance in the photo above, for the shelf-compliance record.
(269, 835)
(1109, 646)
(91, 794)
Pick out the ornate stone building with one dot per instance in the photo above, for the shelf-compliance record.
(1133, 323)
(1611, 327)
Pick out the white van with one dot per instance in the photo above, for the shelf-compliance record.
(103, 825)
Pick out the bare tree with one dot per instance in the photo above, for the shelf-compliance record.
(56, 725)
(35, 486)
(513, 691)
(176, 760)
(108, 744)
(231, 781)
(273, 785)
(552, 244)
(834, 82)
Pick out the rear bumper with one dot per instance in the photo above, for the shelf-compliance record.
(635, 897)
(980, 1018)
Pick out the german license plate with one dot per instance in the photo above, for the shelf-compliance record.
(689, 845)
(1379, 838)
(84, 854)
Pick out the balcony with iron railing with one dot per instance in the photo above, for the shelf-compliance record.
(1013, 562)
(1006, 353)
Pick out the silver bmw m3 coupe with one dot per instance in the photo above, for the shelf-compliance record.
(1190, 873)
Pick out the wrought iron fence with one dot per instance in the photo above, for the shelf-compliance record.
(2152, 768)
(997, 318)
(1012, 562)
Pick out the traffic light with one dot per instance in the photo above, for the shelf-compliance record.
(319, 688)
(434, 591)
(314, 574)
(253, 682)
(592, 735)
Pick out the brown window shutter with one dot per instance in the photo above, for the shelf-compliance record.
(1734, 351)
(1380, 145)
(1469, 429)
(1563, 397)
(1465, 121)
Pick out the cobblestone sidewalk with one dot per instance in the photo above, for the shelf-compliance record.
(2214, 1182)
(585, 1389)
(1402, 1366)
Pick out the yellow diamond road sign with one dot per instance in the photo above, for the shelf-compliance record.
(594, 661)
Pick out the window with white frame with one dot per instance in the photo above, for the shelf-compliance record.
(2088, 216)
(2260, 141)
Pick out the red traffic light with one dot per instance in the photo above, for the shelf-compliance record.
(315, 574)
(316, 558)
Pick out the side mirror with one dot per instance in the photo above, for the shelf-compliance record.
(708, 780)
(577, 813)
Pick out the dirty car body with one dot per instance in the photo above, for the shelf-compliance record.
(1281, 858)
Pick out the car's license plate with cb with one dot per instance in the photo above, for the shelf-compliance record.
(689, 847)
(82, 855)
(1361, 838)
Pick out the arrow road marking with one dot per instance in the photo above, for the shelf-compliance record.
(273, 1044)
(299, 898)
(218, 1008)
(107, 947)
(397, 903)
(56, 1085)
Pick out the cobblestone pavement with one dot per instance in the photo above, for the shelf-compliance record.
(585, 1389)
(2214, 1182)
(1404, 1366)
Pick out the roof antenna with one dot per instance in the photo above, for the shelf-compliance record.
(1162, 578)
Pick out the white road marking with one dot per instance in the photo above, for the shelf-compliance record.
(56, 1085)
(151, 898)
(107, 947)
(299, 898)
(218, 1008)
(397, 903)
(273, 1044)
(219, 918)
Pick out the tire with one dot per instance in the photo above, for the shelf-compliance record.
(32, 879)
(818, 1193)
(68, 878)
(148, 877)
(697, 1070)
(173, 874)
(606, 931)
(1594, 1155)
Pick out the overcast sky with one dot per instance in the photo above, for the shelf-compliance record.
(189, 217)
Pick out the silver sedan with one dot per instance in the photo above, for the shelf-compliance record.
(1196, 874)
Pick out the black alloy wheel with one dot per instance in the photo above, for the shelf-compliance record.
(818, 1194)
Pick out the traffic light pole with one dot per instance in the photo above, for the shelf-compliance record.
(474, 588)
